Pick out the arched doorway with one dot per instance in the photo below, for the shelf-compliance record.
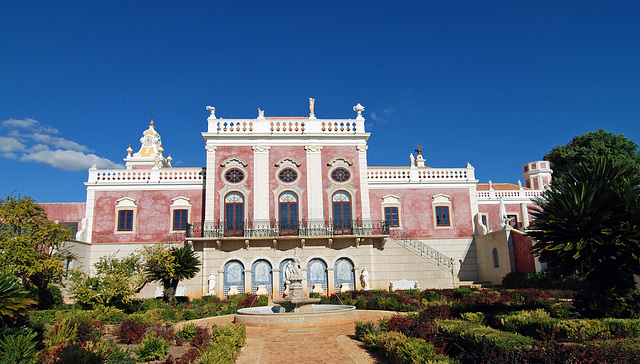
(317, 274)
(233, 277)
(344, 274)
(261, 276)
(288, 207)
(341, 213)
(234, 214)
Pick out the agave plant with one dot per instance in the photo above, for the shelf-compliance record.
(13, 299)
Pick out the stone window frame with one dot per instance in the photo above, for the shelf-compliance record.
(179, 203)
(126, 204)
(392, 201)
(442, 200)
(239, 187)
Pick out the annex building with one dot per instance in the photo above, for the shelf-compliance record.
(273, 186)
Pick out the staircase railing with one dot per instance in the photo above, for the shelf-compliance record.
(440, 260)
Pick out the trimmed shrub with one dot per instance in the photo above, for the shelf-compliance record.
(152, 347)
(364, 328)
(188, 331)
(202, 338)
(227, 341)
(129, 332)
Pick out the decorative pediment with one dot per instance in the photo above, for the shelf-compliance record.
(340, 161)
(287, 161)
(126, 202)
(180, 201)
(391, 199)
(441, 198)
(233, 161)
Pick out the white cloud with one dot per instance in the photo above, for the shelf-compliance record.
(69, 160)
(28, 140)
(24, 123)
(9, 144)
(374, 116)
(58, 142)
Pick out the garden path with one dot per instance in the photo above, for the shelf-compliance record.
(323, 344)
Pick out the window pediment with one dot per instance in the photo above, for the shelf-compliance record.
(233, 162)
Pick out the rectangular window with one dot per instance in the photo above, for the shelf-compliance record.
(391, 215)
(513, 221)
(125, 220)
(180, 219)
(442, 216)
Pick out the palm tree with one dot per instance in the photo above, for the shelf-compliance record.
(13, 299)
(588, 223)
(181, 263)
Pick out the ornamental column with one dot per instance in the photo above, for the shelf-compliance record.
(261, 182)
(364, 182)
(314, 182)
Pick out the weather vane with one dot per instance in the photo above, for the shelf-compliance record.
(152, 109)
(419, 150)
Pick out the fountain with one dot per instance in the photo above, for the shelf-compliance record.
(296, 309)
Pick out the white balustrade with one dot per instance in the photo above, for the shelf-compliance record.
(286, 125)
(136, 176)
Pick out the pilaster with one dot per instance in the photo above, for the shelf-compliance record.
(261, 182)
(314, 182)
(210, 184)
(364, 181)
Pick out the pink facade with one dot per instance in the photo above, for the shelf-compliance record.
(277, 154)
(152, 217)
(329, 153)
(417, 215)
(64, 212)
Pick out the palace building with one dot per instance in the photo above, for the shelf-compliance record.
(273, 186)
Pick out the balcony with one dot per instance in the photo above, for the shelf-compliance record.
(272, 229)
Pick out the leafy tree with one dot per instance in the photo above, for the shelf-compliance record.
(31, 246)
(170, 266)
(592, 145)
(115, 282)
(588, 223)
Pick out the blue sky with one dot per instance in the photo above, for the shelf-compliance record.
(493, 83)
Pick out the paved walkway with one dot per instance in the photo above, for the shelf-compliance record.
(324, 344)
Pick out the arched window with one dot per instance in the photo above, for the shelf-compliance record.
(288, 207)
(233, 214)
(341, 213)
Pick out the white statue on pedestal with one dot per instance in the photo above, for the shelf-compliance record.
(312, 103)
(213, 111)
(212, 283)
(364, 278)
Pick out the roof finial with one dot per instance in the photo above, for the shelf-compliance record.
(151, 123)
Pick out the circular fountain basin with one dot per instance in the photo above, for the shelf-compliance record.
(321, 315)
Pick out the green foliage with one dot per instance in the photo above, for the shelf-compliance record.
(364, 328)
(541, 280)
(121, 355)
(61, 334)
(590, 146)
(187, 332)
(400, 349)
(115, 282)
(19, 348)
(474, 317)
(170, 266)
(262, 301)
(469, 334)
(226, 343)
(32, 246)
(588, 224)
(13, 300)
(152, 347)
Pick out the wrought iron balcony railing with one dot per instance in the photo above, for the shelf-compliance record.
(280, 228)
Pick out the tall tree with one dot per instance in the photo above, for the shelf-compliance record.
(586, 147)
(31, 246)
(588, 223)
